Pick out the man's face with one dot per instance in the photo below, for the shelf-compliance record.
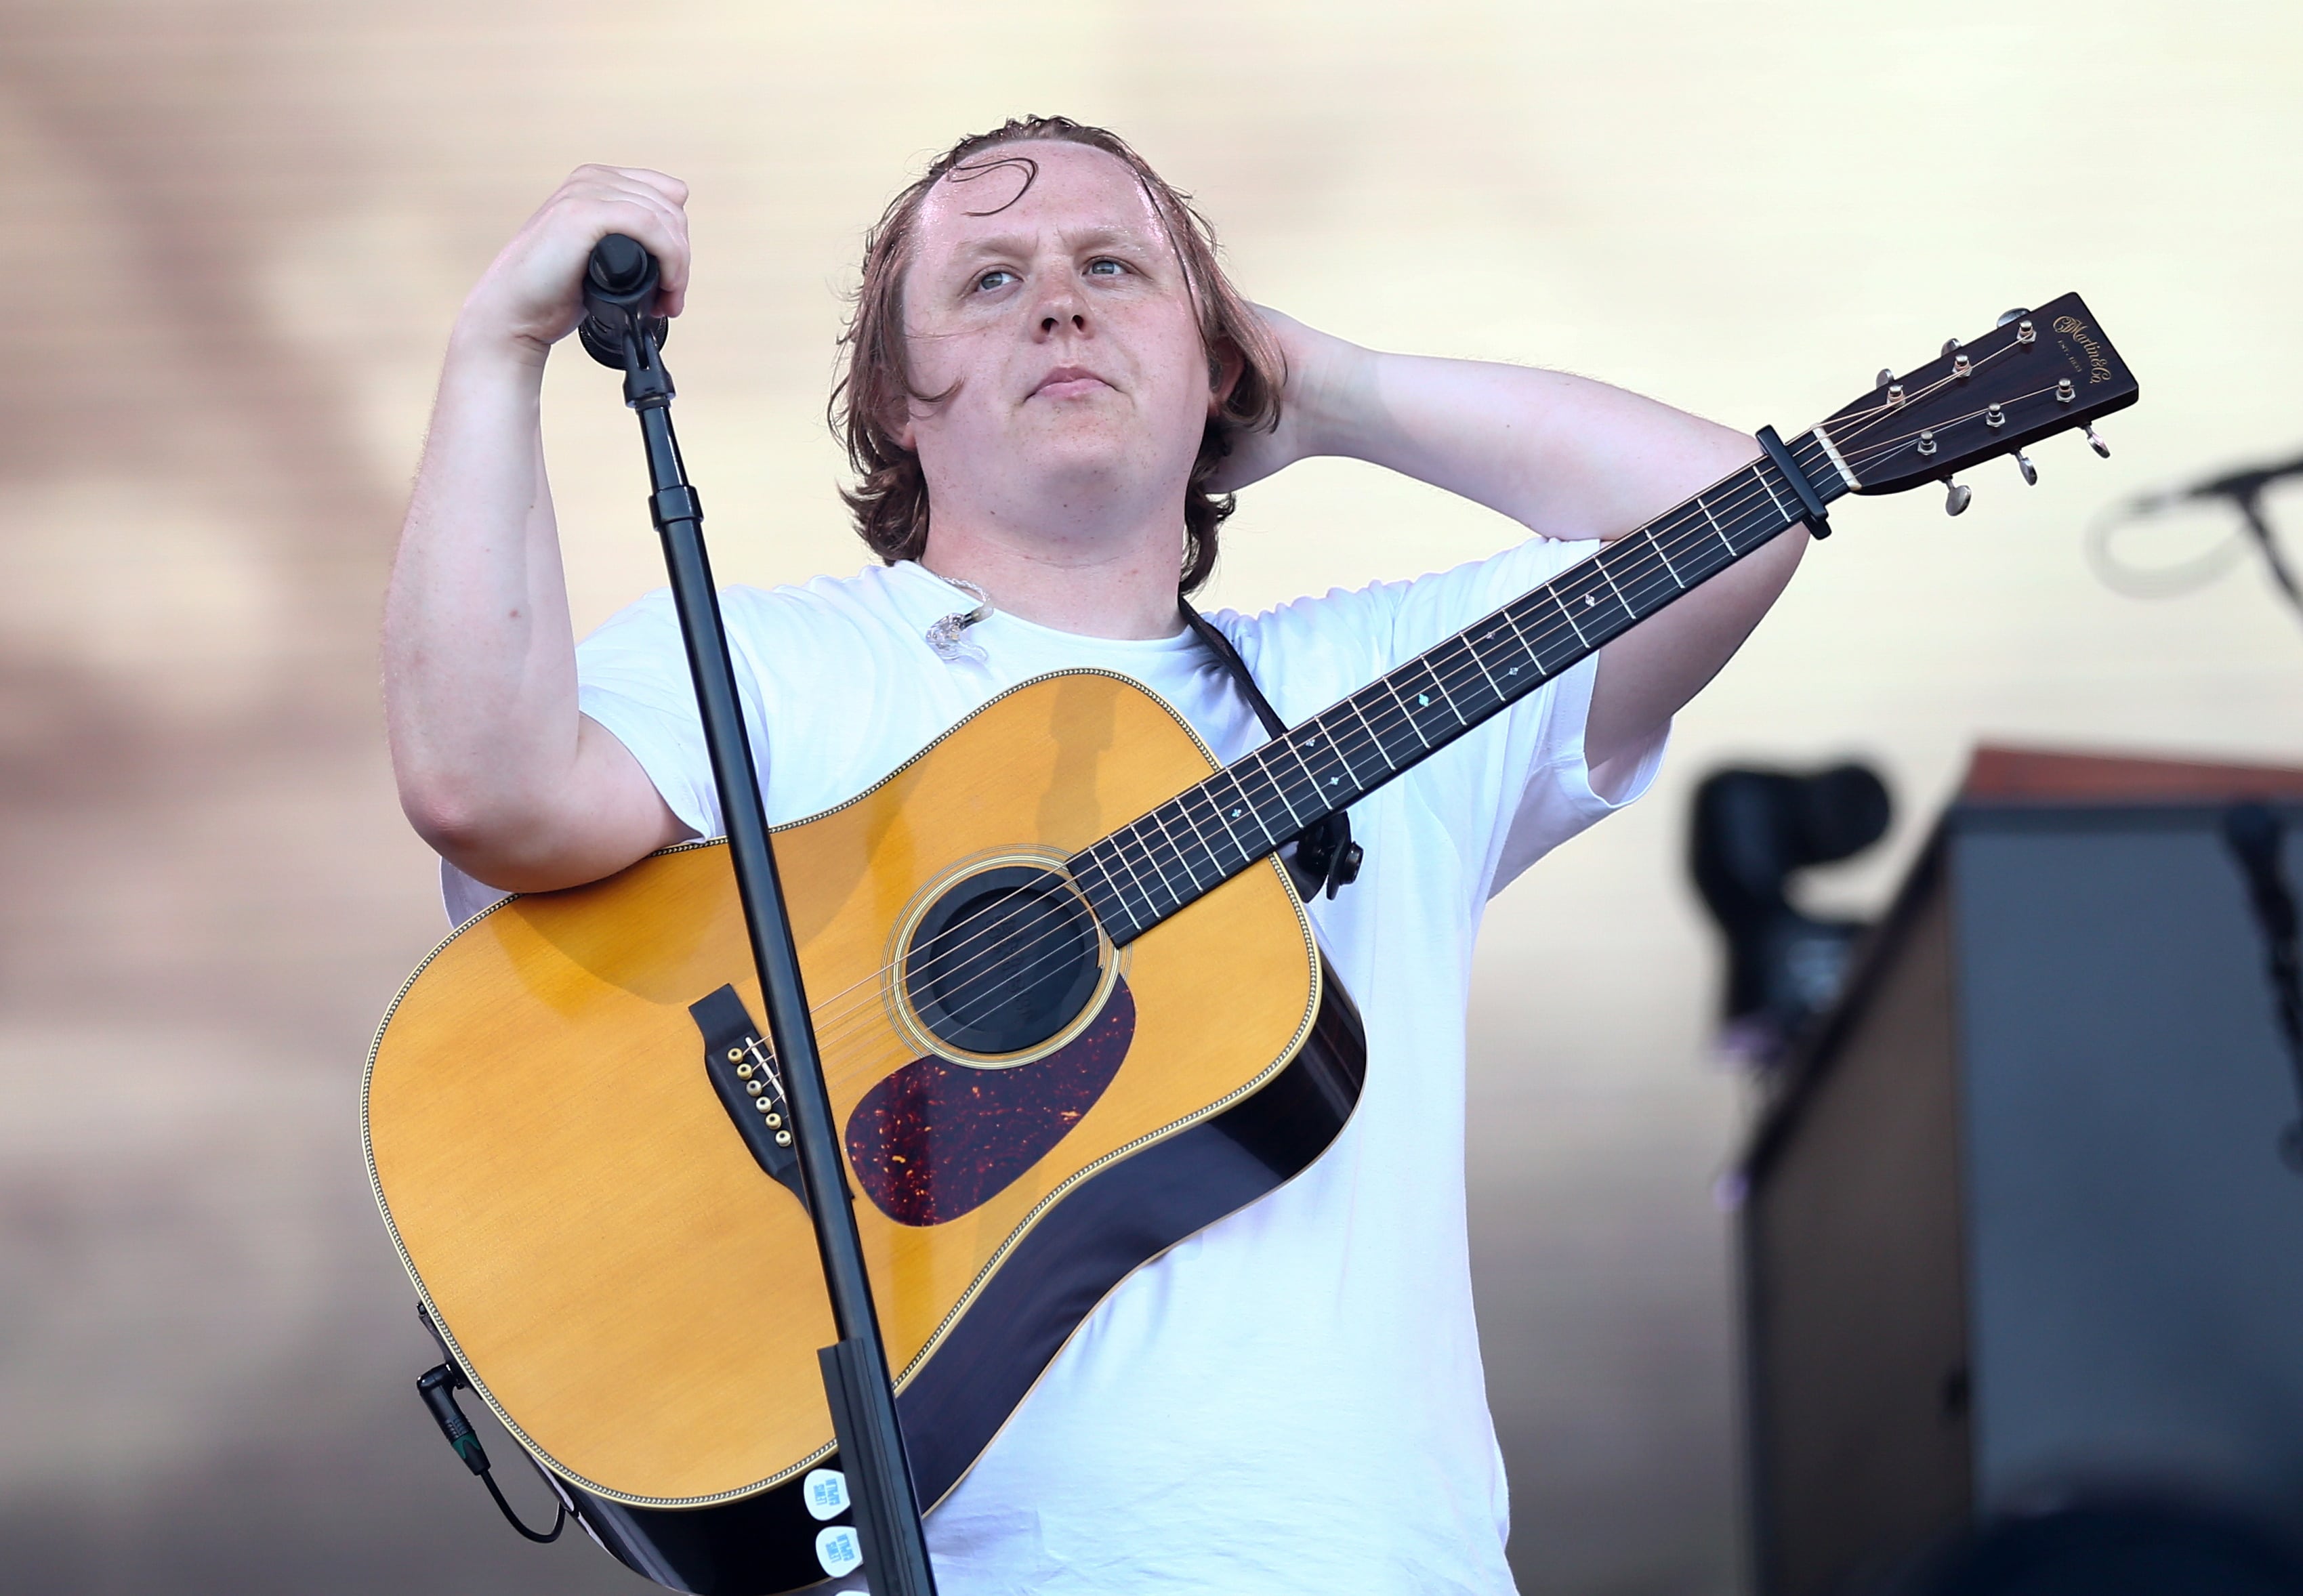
(1066, 325)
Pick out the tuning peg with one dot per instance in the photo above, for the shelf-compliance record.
(1957, 497)
(1951, 346)
(2096, 443)
(2031, 471)
(1885, 377)
(2016, 315)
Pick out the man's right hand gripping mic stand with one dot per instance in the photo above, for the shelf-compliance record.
(620, 288)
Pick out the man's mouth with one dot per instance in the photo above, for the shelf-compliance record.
(1069, 382)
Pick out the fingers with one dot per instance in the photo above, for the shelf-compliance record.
(645, 205)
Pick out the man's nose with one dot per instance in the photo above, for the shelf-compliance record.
(1062, 310)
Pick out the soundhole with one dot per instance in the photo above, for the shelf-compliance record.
(1002, 962)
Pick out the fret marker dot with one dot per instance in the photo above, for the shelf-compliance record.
(1424, 699)
(1590, 600)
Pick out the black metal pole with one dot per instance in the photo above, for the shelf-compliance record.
(855, 1374)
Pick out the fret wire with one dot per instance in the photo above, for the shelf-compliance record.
(1551, 590)
(1080, 881)
(1178, 841)
(1600, 560)
(1663, 555)
(1263, 771)
(1494, 633)
(1103, 852)
(1207, 796)
(1294, 749)
(1374, 714)
(1183, 814)
(1760, 472)
(1534, 658)
(1282, 780)
(1383, 760)
(1384, 681)
(1149, 830)
(1463, 640)
(1424, 698)
(1362, 716)
(1701, 505)
(1309, 735)
(1247, 807)
(1135, 834)
(1446, 699)
(1120, 854)
(1623, 551)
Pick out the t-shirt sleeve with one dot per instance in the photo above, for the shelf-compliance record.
(1516, 788)
(632, 678)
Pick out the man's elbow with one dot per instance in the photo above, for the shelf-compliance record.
(492, 841)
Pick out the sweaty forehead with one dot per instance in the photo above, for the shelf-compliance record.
(1076, 189)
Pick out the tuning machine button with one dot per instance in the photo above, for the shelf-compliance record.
(2016, 315)
(2031, 471)
(1951, 346)
(1957, 497)
(1885, 377)
(2096, 443)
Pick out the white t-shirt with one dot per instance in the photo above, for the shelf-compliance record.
(1291, 1401)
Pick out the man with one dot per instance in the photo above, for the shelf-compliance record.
(1050, 383)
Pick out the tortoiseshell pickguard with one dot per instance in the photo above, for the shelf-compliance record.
(937, 1140)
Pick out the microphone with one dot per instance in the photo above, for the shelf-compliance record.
(2241, 487)
(619, 289)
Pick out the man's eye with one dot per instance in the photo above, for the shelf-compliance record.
(998, 277)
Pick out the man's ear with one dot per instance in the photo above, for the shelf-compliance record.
(1225, 365)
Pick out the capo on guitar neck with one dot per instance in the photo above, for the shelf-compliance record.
(1818, 523)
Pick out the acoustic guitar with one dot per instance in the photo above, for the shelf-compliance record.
(1071, 1011)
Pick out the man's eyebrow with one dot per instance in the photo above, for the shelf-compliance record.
(1100, 236)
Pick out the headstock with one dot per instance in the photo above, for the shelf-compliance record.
(2039, 372)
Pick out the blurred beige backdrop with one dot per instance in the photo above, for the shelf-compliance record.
(235, 236)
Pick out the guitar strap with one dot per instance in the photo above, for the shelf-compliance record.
(1325, 855)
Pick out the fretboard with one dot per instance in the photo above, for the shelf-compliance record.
(1155, 865)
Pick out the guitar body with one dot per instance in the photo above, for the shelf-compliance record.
(594, 1223)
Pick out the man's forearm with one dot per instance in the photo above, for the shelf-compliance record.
(477, 657)
(491, 752)
(1567, 458)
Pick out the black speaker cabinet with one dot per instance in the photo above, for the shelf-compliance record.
(2016, 1228)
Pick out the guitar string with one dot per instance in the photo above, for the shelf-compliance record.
(1383, 724)
(984, 939)
(986, 942)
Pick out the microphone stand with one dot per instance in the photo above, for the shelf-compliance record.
(619, 289)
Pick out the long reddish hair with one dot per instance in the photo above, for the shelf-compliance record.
(890, 497)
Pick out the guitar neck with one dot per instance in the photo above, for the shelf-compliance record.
(1154, 866)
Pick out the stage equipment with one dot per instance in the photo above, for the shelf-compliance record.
(2016, 1226)
(1750, 832)
(1076, 1010)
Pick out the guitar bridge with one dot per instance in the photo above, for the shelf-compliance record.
(742, 1068)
